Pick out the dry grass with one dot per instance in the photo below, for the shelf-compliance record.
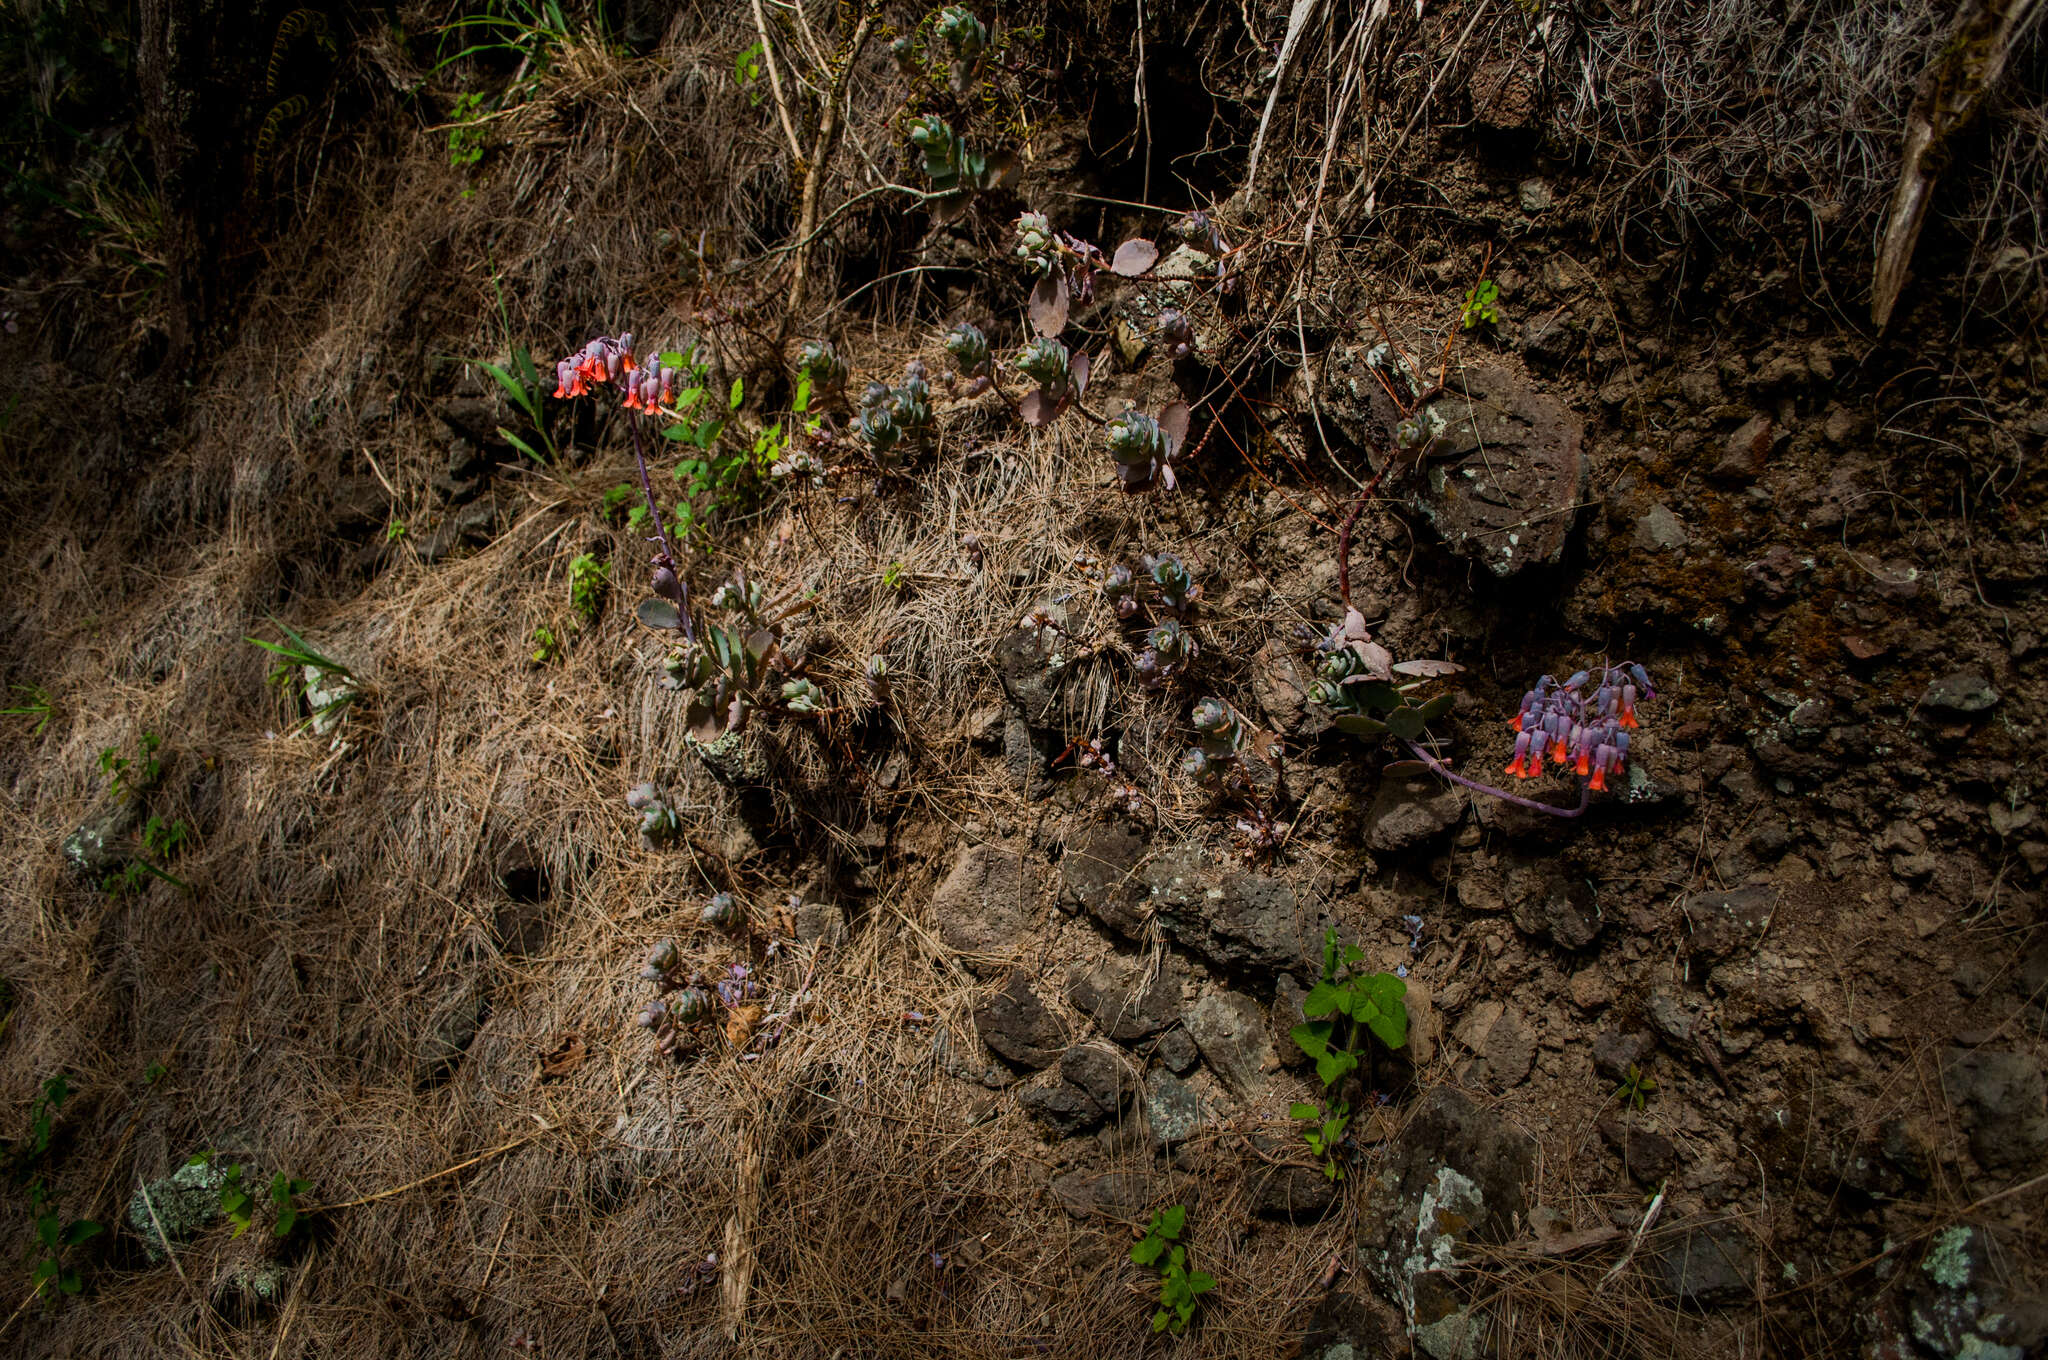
(347, 901)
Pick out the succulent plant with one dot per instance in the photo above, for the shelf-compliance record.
(969, 348)
(1168, 650)
(1588, 733)
(1036, 244)
(1221, 734)
(1175, 334)
(720, 913)
(967, 37)
(961, 31)
(1172, 584)
(659, 824)
(896, 421)
(1368, 691)
(877, 676)
(1061, 376)
(1120, 588)
(821, 363)
(1143, 448)
(662, 963)
(802, 696)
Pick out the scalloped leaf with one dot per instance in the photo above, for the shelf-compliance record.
(1134, 257)
(1437, 707)
(1405, 723)
(1174, 422)
(1405, 769)
(1428, 670)
(1048, 305)
(1037, 408)
(1358, 725)
(1078, 367)
(656, 612)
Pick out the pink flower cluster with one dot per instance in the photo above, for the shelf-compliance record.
(607, 360)
(1585, 732)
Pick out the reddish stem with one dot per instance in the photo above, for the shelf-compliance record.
(1437, 767)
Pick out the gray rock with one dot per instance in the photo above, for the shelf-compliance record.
(1614, 1053)
(2004, 1091)
(1661, 531)
(1114, 1194)
(1178, 1052)
(1534, 195)
(1707, 1265)
(1027, 664)
(1648, 1156)
(1127, 1005)
(1016, 1024)
(1280, 684)
(1245, 922)
(1344, 1327)
(174, 1209)
(1102, 1073)
(1963, 692)
(1296, 1193)
(1062, 1107)
(1405, 814)
(986, 905)
(1232, 1031)
(1099, 875)
(821, 923)
(1286, 1014)
(1672, 1014)
(1509, 1052)
(1550, 339)
(1173, 1110)
(1721, 923)
(1550, 906)
(1456, 1175)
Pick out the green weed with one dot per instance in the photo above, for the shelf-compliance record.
(37, 706)
(588, 580)
(1180, 1289)
(1341, 1009)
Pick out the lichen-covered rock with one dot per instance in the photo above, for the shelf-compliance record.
(104, 843)
(174, 1209)
(1958, 1309)
(1173, 1109)
(1457, 1175)
(1241, 920)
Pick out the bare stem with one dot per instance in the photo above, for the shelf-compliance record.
(668, 550)
(1437, 767)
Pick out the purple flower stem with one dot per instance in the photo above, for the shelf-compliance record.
(668, 550)
(1437, 767)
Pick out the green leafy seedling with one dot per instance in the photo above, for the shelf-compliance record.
(1180, 1289)
(284, 1194)
(588, 578)
(1478, 307)
(235, 1202)
(546, 646)
(1636, 1088)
